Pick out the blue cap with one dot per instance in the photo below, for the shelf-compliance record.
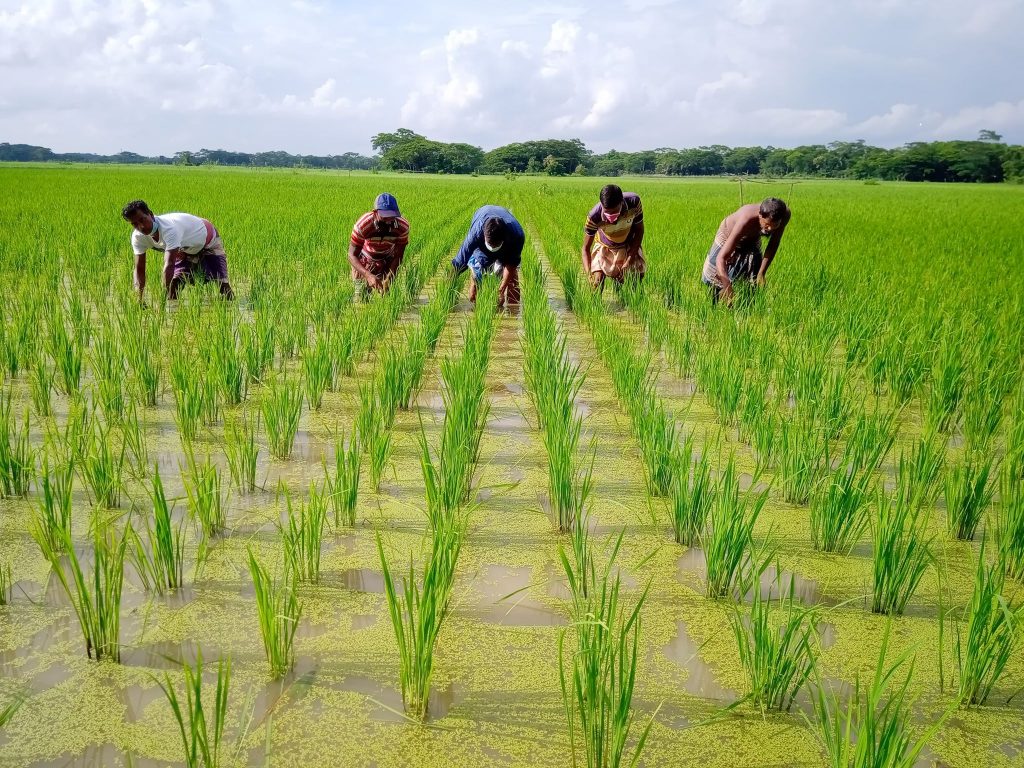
(386, 205)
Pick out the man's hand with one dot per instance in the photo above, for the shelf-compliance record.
(727, 295)
(760, 281)
(372, 282)
(472, 291)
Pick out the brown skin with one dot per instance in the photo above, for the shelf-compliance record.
(379, 284)
(636, 240)
(748, 225)
(509, 280)
(143, 222)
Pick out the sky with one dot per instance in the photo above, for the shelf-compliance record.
(322, 77)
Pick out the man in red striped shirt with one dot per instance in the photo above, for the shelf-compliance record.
(377, 247)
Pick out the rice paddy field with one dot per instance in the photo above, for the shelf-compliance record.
(297, 529)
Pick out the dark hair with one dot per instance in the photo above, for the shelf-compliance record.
(494, 231)
(773, 209)
(134, 207)
(611, 196)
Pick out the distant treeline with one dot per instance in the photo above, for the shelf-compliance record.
(27, 153)
(985, 159)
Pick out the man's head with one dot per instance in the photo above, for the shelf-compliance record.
(137, 214)
(611, 202)
(771, 215)
(494, 234)
(385, 206)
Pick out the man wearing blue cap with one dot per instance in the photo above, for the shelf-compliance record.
(377, 246)
(494, 245)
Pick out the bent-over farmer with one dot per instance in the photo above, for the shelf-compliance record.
(613, 237)
(377, 246)
(736, 252)
(192, 248)
(494, 245)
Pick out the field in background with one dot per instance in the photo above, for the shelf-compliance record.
(887, 348)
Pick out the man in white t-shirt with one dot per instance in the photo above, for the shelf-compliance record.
(192, 248)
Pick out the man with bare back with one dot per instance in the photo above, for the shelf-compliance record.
(736, 253)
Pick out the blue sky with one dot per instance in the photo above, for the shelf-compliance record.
(155, 76)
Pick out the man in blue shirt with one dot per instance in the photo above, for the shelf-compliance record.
(494, 245)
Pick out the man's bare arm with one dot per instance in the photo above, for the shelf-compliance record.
(636, 238)
(353, 258)
(588, 243)
(171, 259)
(140, 273)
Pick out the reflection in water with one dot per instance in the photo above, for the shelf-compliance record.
(506, 598)
(362, 580)
(700, 680)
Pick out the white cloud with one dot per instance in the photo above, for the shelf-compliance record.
(313, 76)
(563, 37)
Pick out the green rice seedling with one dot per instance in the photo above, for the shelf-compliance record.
(317, 370)
(41, 387)
(282, 406)
(201, 730)
(948, 379)
(206, 504)
(839, 508)
(734, 564)
(872, 728)
(968, 494)
(417, 348)
(210, 392)
(52, 521)
(102, 467)
(598, 678)
(302, 535)
(570, 481)
(983, 411)
(279, 610)
(993, 634)
(140, 340)
(17, 457)
(870, 440)
(778, 654)
(188, 395)
(1010, 525)
(96, 598)
(444, 481)
(418, 614)
(160, 558)
(918, 473)
(380, 447)
(226, 358)
(133, 437)
(257, 342)
(6, 584)
(347, 341)
(802, 455)
(902, 552)
(80, 314)
(343, 484)
(834, 409)
(692, 496)
(242, 450)
(656, 431)
(66, 353)
(109, 373)
(763, 431)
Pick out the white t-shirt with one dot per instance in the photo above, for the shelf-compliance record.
(175, 231)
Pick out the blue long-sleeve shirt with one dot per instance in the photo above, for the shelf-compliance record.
(474, 255)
